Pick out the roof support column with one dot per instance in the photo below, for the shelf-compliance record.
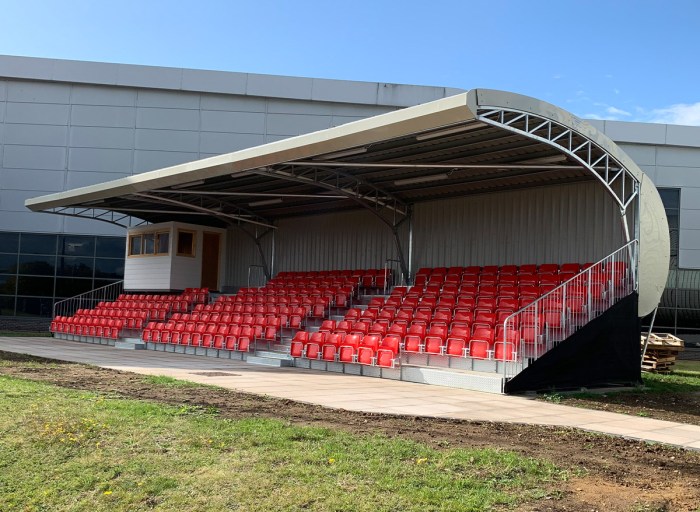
(405, 270)
(256, 238)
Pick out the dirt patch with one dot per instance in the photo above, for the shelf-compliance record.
(680, 407)
(608, 473)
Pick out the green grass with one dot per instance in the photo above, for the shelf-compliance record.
(26, 334)
(171, 382)
(66, 450)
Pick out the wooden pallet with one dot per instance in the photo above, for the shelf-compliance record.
(661, 353)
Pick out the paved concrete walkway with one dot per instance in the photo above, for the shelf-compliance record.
(356, 393)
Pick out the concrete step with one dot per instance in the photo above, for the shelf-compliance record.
(463, 379)
(265, 360)
(130, 344)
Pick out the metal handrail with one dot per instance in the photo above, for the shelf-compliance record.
(255, 266)
(88, 300)
(556, 315)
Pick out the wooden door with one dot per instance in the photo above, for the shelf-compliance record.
(210, 261)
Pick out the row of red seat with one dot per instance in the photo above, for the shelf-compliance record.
(384, 350)
(347, 348)
(128, 311)
(98, 327)
(221, 335)
(293, 318)
(366, 278)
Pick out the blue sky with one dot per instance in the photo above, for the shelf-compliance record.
(608, 59)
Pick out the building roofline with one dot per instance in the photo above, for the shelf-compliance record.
(220, 82)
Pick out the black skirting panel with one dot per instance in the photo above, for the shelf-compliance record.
(604, 352)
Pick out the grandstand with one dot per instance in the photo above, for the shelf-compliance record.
(538, 246)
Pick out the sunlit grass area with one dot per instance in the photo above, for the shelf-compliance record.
(71, 450)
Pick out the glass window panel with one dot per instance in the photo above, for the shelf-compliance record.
(162, 243)
(37, 244)
(71, 287)
(8, 285)
(110, 247)
(34, 306)
(185, 243)
(672, 220)
(99, 283)
(135, 245)
(8, 263)
(109, 268)
(671, 197)
(69, 245)
(37, 265)
(149, 243)
(9, 242)
(76, 267)
(28, 285)
(7, 306)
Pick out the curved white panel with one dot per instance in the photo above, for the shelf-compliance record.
(654, 248)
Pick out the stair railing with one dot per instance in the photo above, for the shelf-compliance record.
(533, 330)
(88, 300)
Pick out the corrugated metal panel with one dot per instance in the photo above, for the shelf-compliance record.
(241, 252)
(557, 224)
(565, 223)
(346, 240)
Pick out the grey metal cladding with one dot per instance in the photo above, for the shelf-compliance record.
(279, 86)
(149, 76)
(37, 113)
(101, 137)
(100, 160)
(38, 92)
(86, 72)
(167, 99)
(167, 140)
(236, 122)
(37, 135)
(34, 157)
(98, 95)
(687, 178)
(214, 81)
(167, 119)
(292, 124)
(3, 90)
(108, 116)
(340, 90)
(233, 103)
(32, 179)
(677, 157)
(645, 133)
(640, 153)
(150, 160)
(31, 221)
(403, 95)
(683, 135)
(83, 179)
(217, 143)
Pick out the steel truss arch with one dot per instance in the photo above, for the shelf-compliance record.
(109, 216)
(622, 184)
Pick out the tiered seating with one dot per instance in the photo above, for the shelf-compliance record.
(130, 311)
(466, 312)
(366, 279)
(211, 326)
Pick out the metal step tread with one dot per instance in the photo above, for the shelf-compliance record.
(269, 361)
(271, 354)
(475, 373)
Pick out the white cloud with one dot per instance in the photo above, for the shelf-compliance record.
(617, 111)
(681, 113)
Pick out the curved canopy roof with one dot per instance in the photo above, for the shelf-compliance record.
(471, 143)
